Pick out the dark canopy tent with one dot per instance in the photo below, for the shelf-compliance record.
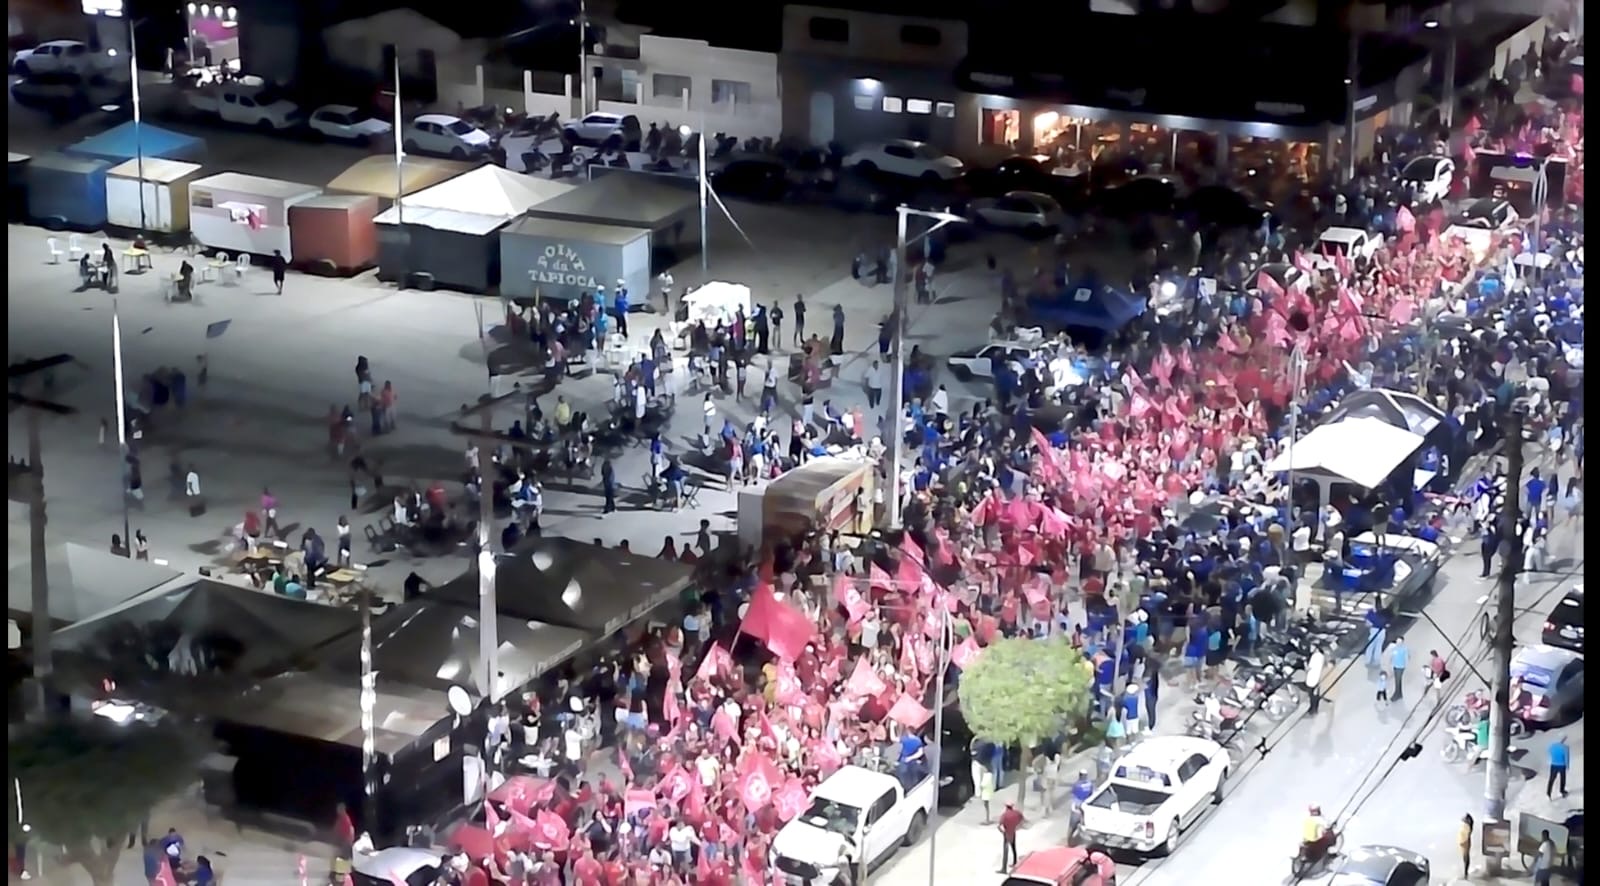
(1401, 409)
(433, 644)
(84, 583)
(569, 583)
(1088, 305)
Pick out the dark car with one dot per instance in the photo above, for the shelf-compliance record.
(1564, 627)
(1223, 207)
(1038, 174)
(1380, 866)
(1145, 195)
(753, 178)
(1488, 214)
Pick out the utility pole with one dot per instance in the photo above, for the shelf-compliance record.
(1499, 774)
(31, 477)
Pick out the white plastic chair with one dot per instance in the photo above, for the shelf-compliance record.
(54, 246)
(208, 270)
(241, 265)
(75, 247)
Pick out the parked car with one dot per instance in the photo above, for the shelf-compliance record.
(1223, 207)
(599, 126)
(1357, 244)
(1428, 178)
(1030, 212)
(1142, 196)
(854, 811)
(445, 135)
(1156, 791)
(247, 102)
(1380, 866)
(1488, 214)
(394, 866)
(908, 158)
(753, 178)
(65, 57)
(346, 123)
(1553, 679)
(1063, 866)
(1037, 173)
(1564, 627)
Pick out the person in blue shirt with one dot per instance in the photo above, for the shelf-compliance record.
(621, 307)
(1535, 488)
(1559, 759)
(1377, 632)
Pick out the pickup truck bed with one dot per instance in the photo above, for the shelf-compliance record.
(1128, 799)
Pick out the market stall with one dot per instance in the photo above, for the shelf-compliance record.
(449, 235)
(667, 210)
(821, 495)
(562, 260)
(375, 176)
(334, 235)
(159, 202)
(245, 213)
(130, 140)
(67, 192)
(714, 303)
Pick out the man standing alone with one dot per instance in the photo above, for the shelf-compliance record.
(280, 267)
(1399, 657)
(1559, 757)
(1010, 822)
(799, 320)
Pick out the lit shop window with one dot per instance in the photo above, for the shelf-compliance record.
(866, 102)
(892, 105)
(918, 106)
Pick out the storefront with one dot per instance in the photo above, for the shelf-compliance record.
(563, 260)
(1018, 102)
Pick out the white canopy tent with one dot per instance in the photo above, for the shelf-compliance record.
(1362, 450)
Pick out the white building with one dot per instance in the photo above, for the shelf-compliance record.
(720, 79)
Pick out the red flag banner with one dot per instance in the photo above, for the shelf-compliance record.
(909, 712)
(1049, 465)
(789, 690)
(1271, 290)
(1229, 344)
(909, 546)
(848, 596)
(675, 785)
(550, 831)
(965, 653)
(758, 777)
(864, 682)
(790, 800)
(636, 801)
(1401, 313)
(784, 629)
(716, 663)
(1139, 406)
(879, 579)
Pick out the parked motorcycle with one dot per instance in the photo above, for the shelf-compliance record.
(1461, 744)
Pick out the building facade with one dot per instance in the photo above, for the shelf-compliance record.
(852, 77)
(671, 80)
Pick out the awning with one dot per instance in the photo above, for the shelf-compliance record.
(1402, 409)
(1362, 450)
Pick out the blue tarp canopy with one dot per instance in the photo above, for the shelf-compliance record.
(120, 143)
(1088, 305)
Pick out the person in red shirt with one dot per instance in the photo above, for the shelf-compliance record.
(1010, 821)
(587, 870)
(344, 830)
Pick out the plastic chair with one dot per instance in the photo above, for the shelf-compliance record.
(54, 246)
(241, 265)
(75, 247)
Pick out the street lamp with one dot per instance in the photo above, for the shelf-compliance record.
(122, 416)
(705, 187)
(369, 703)
(897, 384)
(1541, 193)
(138, 114)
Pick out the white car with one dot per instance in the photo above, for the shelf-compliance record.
(1356, 244)
(345, 123)
(907, 158)
(596, 127)
(1429, 178)
(853, 810)
(395, 865)
(1156, 791)
(247, 102)
(1027, 211)
(979, 363)
(64, 57)
(445, 135)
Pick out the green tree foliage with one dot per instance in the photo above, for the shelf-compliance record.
(87, 784)
(1023, 691)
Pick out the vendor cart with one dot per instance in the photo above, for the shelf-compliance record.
(1567, 835)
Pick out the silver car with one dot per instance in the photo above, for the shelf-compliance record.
(1027, 211)
(1553, 680)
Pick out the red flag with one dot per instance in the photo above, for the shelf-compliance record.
(1269, 286)
(784, 629)
(878, 578)
(716, 663)
(1400, 314)
(909, 546)
(1138, 407)
(864, 682)
(790, 800)
(1049, 466)
(789, 690)
(1229, 344)
(909, 712)
(1350, 301)
(675, 785)
(757, 778)
(1161, 367)
(491, 819)
(1404, 220)
(637, 800)
(848, 597)
(1300, 261)
(1185, 361)
(164, 876)
(1131, 380)
(1277, 329)
(965, 653)
(550, 831)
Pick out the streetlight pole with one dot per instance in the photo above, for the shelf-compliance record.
(121, 396)
(583, 58)
(369, 703)
(1541, 193)
(1297, 375)
(1499, 770)
(705, 193)
(897, 384)
(138, 153)
(946, 640)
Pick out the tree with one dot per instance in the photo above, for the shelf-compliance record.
(87, 784)
(1023, 691)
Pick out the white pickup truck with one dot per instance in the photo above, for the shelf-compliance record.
(854, 808)
(248, 103)
(1154, 792)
